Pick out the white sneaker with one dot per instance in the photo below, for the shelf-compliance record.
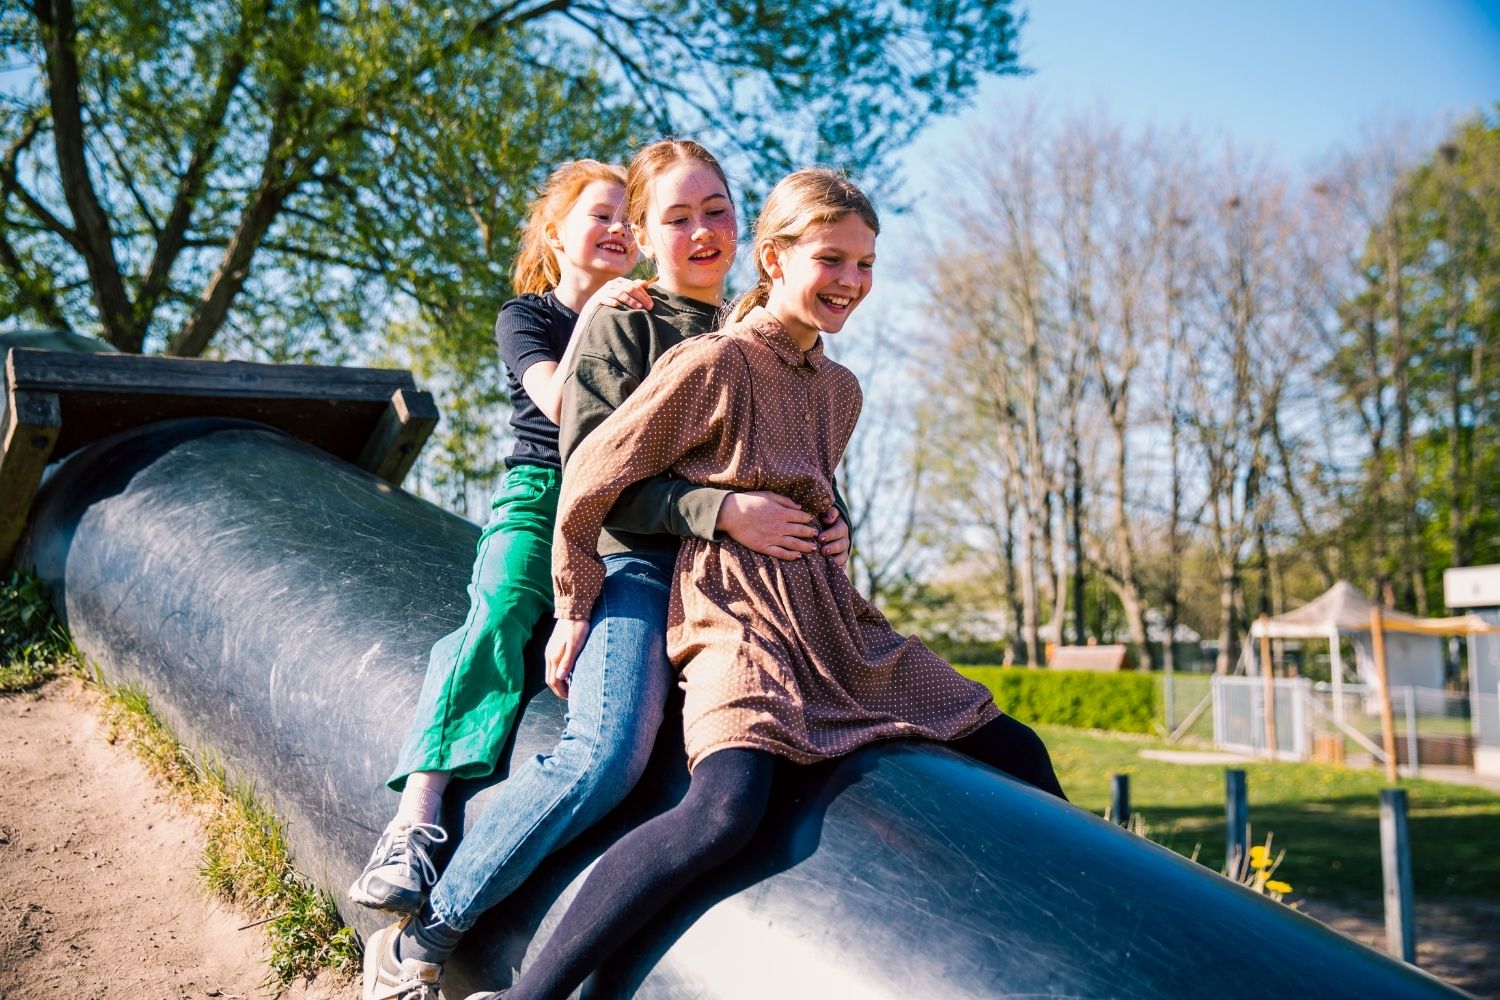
(388, 978)
(400, 871)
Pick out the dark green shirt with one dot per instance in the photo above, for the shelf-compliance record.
(616, 348)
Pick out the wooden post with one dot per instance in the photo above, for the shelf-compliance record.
(1237, 824)
(396, 440)
(31, 425)
(1387, 717)
(1269, 683)
(1395, 867)
(1119, 799)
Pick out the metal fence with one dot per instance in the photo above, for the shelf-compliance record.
(1432, 727)
(1240, 707)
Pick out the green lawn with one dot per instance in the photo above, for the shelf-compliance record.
(1327, 818)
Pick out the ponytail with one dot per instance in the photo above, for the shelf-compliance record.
(759, 295)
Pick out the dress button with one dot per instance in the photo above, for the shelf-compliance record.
(807, 418)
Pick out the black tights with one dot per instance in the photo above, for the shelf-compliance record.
(724, 805)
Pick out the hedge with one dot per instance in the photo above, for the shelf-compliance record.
(1125, 702)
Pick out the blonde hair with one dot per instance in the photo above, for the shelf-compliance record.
(650, 162)
(808, 197)
(536, 268)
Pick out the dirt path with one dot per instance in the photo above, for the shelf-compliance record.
(1458, 943)
(99, 891)
(100, 896)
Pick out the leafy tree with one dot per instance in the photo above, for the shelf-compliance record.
(1419, 331)
(299, 172)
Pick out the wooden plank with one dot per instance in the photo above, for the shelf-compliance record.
(408, 421)
(31, 424)
(1102, 658)
(334, 409)
(123, 374)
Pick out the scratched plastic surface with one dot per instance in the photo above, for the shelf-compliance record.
(277, 605)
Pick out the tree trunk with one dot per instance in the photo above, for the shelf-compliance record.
(92, 232)
(1015, 639)
(1228, 626)
(1410, 572)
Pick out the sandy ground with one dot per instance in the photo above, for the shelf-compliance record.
(100, 897)
(99, 890)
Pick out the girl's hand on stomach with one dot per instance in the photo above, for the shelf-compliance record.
(568, 637)
(770, 524)
(834, 539)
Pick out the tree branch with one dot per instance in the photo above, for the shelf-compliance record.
(129, 179)
(116, 314)
(9, 184)
(210, 132)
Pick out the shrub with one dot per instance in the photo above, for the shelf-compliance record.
(1124, 702)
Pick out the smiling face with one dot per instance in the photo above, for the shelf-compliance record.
(592, 237)
(690, 230)
(816, 282)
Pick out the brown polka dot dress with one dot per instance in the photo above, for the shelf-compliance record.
(779, 656)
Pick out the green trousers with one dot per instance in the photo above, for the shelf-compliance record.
(473, 684)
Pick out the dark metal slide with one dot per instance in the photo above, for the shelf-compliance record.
(277, 605)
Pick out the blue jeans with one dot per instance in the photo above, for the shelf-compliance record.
(619, 687)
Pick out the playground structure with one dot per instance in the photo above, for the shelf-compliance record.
(276, 603)
(1397, 709)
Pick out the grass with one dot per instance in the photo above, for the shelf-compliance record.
(34, 646)
(245, 860)
(1326, 817)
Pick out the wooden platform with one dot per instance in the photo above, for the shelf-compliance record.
(57, 402)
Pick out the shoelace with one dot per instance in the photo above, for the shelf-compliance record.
(409, 989)
(410, 846)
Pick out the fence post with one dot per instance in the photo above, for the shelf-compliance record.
(1237, 824)
(1387, 723)
(1412, 763)
(1168, 696)
(1119, 799)
(1395, 867)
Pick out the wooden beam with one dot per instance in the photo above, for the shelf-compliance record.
(117, 374)
(404, 427)
(335, 409)
(31, 425)
(1387, 717)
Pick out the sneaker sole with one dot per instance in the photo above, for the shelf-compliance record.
(396, 902)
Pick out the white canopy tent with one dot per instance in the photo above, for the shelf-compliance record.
(1413, 645)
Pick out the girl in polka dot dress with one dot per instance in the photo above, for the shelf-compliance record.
(780, 659)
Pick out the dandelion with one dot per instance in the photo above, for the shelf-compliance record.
(1256, 875)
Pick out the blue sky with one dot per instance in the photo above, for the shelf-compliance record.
(1295, 78)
